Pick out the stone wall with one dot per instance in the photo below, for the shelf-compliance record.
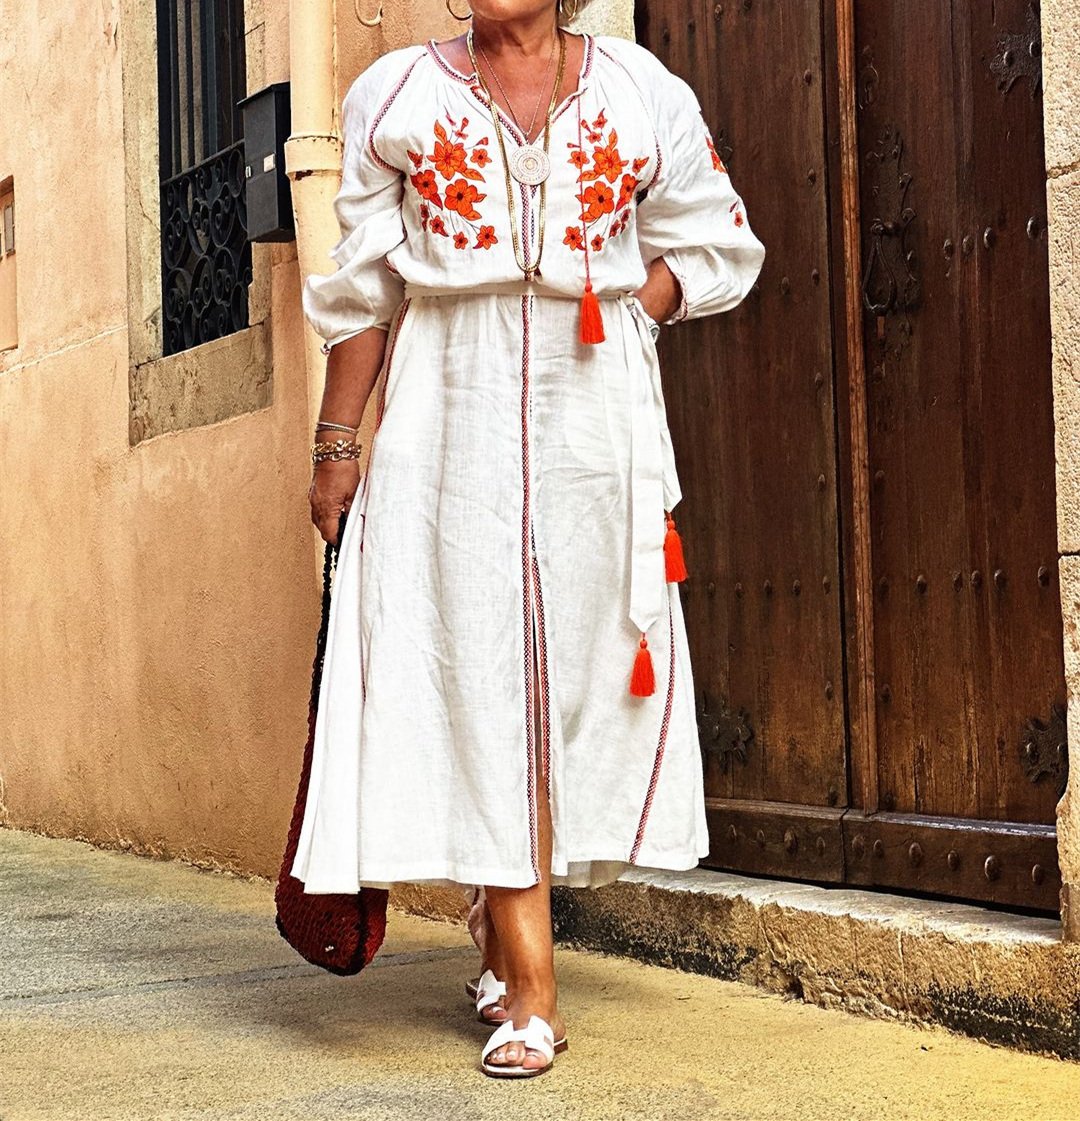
(1061, 79)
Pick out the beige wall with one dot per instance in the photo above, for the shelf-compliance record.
(1061, 49)
(157, 599)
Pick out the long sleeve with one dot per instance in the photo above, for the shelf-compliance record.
(692, 215)
(363, 292)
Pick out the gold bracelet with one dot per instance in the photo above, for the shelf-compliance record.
(353, 428)
(337, 449)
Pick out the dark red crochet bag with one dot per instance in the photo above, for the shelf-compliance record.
(340, 933)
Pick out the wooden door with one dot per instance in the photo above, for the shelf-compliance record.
(867, 452)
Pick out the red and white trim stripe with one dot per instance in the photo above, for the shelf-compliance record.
(655, 777)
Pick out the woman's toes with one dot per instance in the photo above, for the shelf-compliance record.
(533, 1060)
(509, 1055)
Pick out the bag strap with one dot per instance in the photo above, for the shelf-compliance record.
(330, 557)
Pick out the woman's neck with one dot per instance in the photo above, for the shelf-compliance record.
(516, 40)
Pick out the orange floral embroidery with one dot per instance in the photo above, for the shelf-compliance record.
(596, 201)
(603, 214)
(626, 191)
(606, 161)
(717, 162)
(426, 185)
(486, 238)
(460, 196)
(718, 165)
(457, 160)
(449, 159)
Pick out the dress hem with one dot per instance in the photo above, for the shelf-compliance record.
(468, 878)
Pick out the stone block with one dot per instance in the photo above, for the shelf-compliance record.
(1061, 82)
(1063, 200)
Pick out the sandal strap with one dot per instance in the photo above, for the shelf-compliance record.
(536, 1035)
(489, 990)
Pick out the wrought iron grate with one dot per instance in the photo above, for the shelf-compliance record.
(205, 252)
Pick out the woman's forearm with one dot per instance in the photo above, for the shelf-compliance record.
(351, 372)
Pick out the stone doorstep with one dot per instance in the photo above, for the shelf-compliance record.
(997, 976)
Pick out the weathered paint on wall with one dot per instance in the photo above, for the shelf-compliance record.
(158, 600)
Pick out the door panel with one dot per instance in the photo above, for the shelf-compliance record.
(967, 621)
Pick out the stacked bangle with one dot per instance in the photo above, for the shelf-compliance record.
(337, 427)
(338, 449)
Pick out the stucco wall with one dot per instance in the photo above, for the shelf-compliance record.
(158, 600)
(1061, 49)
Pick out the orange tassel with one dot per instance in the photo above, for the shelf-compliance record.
(642, 680)
(674, 564)
(592, 325)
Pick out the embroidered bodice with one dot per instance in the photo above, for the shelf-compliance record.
(634, 175)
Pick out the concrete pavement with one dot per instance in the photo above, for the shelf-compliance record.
(144, 990)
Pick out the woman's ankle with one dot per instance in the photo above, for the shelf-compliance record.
(540, 999)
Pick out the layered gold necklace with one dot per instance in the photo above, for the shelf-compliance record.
(529, 164)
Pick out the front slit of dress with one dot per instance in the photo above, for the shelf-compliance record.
(526, 581)
(541, 655)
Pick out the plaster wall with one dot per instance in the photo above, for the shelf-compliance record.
(1061, 80)
(157, 600)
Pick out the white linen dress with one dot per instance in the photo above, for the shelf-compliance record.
(513, 505)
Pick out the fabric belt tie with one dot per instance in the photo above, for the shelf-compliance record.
(654, 483)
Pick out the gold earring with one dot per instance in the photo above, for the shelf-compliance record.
(461, 19)
(568, 12)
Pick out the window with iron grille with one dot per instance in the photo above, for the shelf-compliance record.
(205, 252)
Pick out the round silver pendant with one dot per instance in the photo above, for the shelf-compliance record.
(529, 164)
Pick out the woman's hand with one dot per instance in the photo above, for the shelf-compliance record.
(660, 295)
(333, 487)
(351, 372)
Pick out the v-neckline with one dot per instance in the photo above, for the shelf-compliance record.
(473, 82)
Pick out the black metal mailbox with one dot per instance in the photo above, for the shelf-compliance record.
(269, 196)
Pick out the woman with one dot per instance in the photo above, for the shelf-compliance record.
(507, 699)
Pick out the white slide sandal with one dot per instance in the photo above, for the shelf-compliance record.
(489, 990)
(536, 1035)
